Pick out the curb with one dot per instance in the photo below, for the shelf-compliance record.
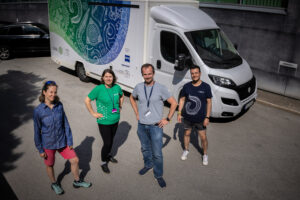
(278, 106)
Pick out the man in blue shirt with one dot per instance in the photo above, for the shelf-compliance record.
(52, 133)
(195, 108)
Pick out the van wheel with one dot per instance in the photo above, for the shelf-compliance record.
(81, 73)
(5, 53)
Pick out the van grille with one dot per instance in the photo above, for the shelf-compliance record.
(246, 89)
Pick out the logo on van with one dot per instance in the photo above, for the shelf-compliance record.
(249, 89)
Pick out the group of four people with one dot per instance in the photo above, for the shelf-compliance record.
(52, 131)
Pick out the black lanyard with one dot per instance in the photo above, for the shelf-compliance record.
(148, 100)
(111, 98)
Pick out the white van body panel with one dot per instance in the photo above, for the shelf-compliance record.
(140, 27)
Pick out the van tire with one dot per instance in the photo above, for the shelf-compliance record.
(81, 72)
(5, 53)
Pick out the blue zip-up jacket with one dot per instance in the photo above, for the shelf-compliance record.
(51, 127)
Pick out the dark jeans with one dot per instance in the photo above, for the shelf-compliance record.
(151, 142)
(107, 133)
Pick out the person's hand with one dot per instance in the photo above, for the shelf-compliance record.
(162, 123)
(179, 117)
(137, 117)
(43, 155)
(70, 147)
(97, 115)
(206, 122)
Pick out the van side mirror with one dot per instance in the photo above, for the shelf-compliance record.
(180, 62)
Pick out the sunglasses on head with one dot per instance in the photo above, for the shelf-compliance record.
(50, 82)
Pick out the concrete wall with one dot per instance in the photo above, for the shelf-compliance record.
(13, 12)
(264, 39)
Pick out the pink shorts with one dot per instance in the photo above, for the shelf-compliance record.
(65, 152)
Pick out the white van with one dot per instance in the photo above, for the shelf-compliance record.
(90, 36)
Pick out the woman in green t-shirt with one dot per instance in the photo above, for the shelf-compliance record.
(109, 99)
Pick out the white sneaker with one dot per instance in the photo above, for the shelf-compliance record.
(205, 160)
(184, 155)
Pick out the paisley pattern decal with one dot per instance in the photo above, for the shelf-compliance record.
(97, 33)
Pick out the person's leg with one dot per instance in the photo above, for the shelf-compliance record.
(187, 134)
(156, 134)
(70, 154)
(143, 134)
(186, 138)
(75, 167)
(50, 172)
(204, 142)
(49, 162)
(113, 130)
(105, 132)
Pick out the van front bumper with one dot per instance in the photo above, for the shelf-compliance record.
(227, 103)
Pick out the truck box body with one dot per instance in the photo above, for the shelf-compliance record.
(90, 36)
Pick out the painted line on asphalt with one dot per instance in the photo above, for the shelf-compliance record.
(277, 106)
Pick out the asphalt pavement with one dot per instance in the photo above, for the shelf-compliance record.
(255, 156)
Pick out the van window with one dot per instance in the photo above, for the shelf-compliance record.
(214, 48)
(16, 30)
(171, 45)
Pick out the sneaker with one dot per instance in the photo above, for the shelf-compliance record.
(205, 160)
(81, 183)
(184, 155)
(144, 170)
(57, 189)
(113, 160)
(161, 182)
(105, 168)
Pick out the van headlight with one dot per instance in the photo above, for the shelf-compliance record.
(222, 81)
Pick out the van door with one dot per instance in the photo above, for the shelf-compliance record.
(165, 53)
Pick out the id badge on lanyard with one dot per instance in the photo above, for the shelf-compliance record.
(148, 112)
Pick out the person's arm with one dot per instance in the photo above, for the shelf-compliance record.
(208, 111)
(121, 101)
(134, 106)
(37, 134)
(68, 131)
(173, 105)
(181, 104)
(88, 105)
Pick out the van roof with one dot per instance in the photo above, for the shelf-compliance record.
(183, 16)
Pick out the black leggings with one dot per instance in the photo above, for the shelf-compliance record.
(107, 133)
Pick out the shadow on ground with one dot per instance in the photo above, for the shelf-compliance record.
(18, 91)
(194, 138)
(121, 137)
(84, 153)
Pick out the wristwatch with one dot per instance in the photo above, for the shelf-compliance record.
(168, 119)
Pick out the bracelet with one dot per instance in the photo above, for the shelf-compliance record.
(207, 117)
(168, 119)
(179, 113)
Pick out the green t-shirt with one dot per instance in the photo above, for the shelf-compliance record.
(107, 99)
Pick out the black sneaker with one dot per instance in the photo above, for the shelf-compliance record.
(161, 182)
(144, 170)
(105, 168)
(113, 160)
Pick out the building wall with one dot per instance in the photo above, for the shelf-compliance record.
(264, 39)
(19, 12)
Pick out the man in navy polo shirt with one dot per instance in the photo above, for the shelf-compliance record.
(195, 109)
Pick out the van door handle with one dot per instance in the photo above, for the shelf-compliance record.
(158, 64)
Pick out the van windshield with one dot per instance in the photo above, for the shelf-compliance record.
(214, 48)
